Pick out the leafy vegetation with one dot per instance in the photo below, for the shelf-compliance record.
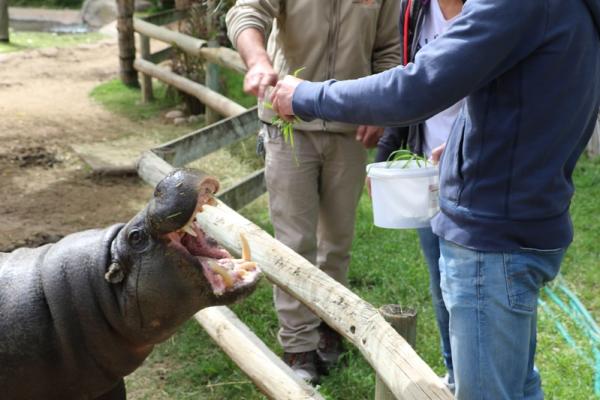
(407, 156)
(34, 40)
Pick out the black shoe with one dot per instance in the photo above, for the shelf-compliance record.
(304, 365)
(330, 348)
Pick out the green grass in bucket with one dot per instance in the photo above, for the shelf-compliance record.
(407, 156)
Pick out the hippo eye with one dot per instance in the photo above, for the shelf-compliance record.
(136, 237)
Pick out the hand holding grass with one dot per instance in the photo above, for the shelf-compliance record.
(282, 95)
(285, 122)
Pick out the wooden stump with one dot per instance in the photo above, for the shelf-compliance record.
(593, 148)
(404, 321)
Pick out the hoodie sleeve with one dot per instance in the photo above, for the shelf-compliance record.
(488, 38)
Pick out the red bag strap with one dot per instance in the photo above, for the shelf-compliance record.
(406, 30)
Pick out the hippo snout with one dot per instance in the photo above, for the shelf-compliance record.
(171, 217)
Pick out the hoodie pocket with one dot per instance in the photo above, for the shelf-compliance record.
(451, 178)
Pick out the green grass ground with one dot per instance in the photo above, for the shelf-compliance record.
(126, 101)
(35, 40)
(387, 267)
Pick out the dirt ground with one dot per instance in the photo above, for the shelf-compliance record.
(46, 190)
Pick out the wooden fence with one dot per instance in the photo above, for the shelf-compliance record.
(396, 363)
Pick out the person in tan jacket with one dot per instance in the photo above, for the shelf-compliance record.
(314, 187)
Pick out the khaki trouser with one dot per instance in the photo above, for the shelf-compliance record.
(312, 205)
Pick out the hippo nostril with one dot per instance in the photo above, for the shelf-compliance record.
(177, 198)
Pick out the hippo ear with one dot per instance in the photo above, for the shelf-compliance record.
(115, 273)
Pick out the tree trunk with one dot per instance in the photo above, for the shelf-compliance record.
(4, 21)
(128, 74)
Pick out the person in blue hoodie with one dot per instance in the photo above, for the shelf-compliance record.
(530, 72)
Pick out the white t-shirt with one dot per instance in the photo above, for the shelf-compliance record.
(437, 128)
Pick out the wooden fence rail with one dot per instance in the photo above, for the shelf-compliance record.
(215, 100)
(403, 371)
(270, 374)
(222, 56)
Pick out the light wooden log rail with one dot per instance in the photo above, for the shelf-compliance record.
(269, 373)
(217, 101)
(398, 365)
(222, 56)
(403, 371)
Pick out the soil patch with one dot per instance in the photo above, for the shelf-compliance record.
(47, 191)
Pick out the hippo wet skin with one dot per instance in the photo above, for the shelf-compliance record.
(79, 315)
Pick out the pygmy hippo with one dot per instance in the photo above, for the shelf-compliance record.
(79, 315)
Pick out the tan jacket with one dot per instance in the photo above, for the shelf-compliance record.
(331, 39)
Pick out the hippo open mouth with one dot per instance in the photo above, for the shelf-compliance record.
(223, 272)
(180, 230)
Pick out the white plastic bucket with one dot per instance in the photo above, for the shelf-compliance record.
(404, 195)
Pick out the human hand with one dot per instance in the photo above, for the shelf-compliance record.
(260, 76)
(369, 135)
(436, 153)
(282, 95)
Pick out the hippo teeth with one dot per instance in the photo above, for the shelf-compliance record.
(189, 230)
(223, 272)
(245, 248)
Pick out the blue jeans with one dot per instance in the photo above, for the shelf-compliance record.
(430, 244)
(492, 302)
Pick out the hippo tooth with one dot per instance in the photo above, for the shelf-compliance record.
(218, 269)
(245, 248)
(189, 230)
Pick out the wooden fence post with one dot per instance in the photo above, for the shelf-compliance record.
(404, 321)
(128, 74)
(212, 82)
(147, 93)
(593, 148)
(4, 37)
(211, 70)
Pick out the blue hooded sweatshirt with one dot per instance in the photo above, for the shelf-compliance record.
(530, 70)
